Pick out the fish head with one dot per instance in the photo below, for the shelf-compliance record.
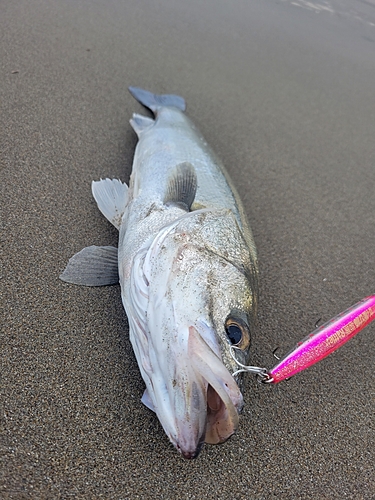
(198, 297)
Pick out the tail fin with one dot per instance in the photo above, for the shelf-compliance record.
(154, 101)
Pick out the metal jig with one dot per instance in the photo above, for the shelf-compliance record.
(317, 345)
(325, 339)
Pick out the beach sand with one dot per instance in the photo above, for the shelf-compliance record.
(284, 93)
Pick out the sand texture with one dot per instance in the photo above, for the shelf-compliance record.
(285, 94)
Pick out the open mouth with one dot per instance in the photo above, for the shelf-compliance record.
(203, 402)
(219, 424)
(224, 398)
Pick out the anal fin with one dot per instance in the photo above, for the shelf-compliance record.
(93, 266)
(182, 186)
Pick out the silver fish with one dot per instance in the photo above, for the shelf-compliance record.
(187, 266)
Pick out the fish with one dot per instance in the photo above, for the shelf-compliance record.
(187, 266)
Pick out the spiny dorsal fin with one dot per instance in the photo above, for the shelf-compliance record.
(182, 186)
(155, 101)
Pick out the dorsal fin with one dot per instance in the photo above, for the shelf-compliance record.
(141, 123)
(182, 186)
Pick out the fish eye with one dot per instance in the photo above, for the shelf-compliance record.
(238, 332)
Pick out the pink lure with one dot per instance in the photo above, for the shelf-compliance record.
(324, 340)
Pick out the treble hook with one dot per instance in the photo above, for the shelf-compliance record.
(317, 323)
(274, 353)
(257, 370)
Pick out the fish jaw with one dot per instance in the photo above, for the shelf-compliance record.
(188, 403)
(200, 402)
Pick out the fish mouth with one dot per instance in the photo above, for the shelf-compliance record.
(212, 415)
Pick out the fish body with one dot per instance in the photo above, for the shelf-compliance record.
(187, 266)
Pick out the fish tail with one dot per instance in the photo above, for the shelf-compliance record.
(155, 101)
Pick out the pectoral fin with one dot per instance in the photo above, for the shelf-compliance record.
(93, 266)
(182, 186)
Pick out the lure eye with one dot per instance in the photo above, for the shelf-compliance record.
(237, 332)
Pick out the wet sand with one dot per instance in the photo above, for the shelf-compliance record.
(284, 92)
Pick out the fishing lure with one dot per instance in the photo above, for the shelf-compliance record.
(318, 344)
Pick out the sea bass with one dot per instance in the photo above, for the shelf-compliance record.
(187, 265)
